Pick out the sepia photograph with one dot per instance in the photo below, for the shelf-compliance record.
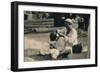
(52, 36)
(56, 36)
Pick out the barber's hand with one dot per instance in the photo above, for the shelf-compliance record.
(61, 34)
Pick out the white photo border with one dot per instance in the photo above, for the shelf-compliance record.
(23, 64)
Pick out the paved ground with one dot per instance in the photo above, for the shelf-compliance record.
(34, 42)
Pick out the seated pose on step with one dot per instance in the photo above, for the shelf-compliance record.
(68, 42)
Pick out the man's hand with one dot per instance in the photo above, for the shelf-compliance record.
(61, 34)
(64, 36)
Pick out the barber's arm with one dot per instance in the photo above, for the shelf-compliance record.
(63, 35)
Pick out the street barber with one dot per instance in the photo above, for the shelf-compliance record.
(66, 41)
(71, 36)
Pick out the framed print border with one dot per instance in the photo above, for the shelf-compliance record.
(14, 35)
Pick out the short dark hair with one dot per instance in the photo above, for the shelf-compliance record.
(53, 36)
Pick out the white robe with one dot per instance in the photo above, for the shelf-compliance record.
(71, 39)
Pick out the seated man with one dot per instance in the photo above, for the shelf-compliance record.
(57, 43)
(66, 42)
(71, 38)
